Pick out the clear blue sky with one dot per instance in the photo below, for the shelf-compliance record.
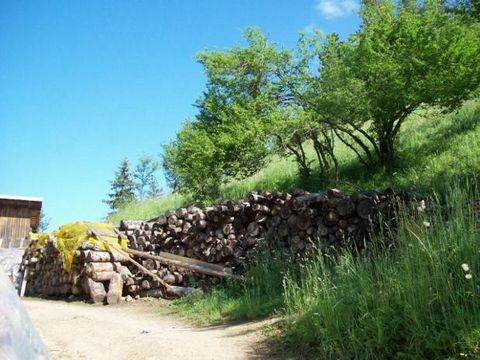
(84, 84)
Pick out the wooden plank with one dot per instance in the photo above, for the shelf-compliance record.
(184, 262)
(187, 263)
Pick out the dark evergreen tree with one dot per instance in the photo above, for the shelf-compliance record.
(122, 187)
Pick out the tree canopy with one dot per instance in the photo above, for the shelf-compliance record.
(260, 99)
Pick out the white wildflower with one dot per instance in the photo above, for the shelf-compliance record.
(465, 267)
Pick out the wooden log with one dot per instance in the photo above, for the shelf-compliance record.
(169, 278)
(334, 193)
(345, 207)
(261, 208)
(177, 291)
(102, 275)
(129, 281)
(186, 227)
(151, 264)
(181, 213)
(365, 208)
(104, 256)
(253, 229)
(331, 218)
(186, 263)
(172, 220)
(95, 290)
(146, 284)
(102, 266)
(285, 212)
(256, 198)
(227, 229)
(303, 221)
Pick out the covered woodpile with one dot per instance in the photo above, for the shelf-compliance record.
(97, 275)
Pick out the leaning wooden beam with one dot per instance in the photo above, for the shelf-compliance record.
(186, 263)
(195, 265)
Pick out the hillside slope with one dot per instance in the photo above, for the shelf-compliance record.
(433, 149)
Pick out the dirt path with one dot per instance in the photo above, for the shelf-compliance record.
(136, 331)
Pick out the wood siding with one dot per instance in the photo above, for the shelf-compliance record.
(14, 225)
(18, 215)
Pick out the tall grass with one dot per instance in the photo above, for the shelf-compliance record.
(418, 300)
(261, 294)
(414, 302)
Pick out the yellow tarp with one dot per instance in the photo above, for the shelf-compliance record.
(69, 237)
(40, 238)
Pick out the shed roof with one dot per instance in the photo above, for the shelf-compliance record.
(24, 198)
(23, 201)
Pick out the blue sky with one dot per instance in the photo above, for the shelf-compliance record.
(84, 84)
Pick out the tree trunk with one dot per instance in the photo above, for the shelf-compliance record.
(387, 150)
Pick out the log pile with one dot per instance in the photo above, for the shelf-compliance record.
(97, 275)
(214, 240)
(229, 232)
(43, 271)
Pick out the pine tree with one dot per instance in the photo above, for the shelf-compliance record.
(122, 187)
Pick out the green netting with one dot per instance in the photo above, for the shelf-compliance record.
(69, 237)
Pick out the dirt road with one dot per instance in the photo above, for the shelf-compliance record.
(136, 331)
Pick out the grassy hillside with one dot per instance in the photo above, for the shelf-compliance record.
(420, 300)
(433, 149)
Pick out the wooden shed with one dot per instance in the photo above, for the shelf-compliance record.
(18, 216)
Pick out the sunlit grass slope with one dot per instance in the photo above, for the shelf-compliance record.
(433, 149)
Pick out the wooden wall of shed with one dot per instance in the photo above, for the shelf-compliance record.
(14, 225)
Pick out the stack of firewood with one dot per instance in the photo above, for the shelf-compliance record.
(43, 271)
(229, 231)
(98, 275)
(193, 245)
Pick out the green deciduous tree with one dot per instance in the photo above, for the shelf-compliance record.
(406, 55)
(409, 54)
(230, 136)
(259, 99)
(122, 187)
(146, 183)
(191, 165)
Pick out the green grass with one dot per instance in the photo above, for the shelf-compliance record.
(433, 149)
(148, 209)
(260, 295)
(413, 302)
